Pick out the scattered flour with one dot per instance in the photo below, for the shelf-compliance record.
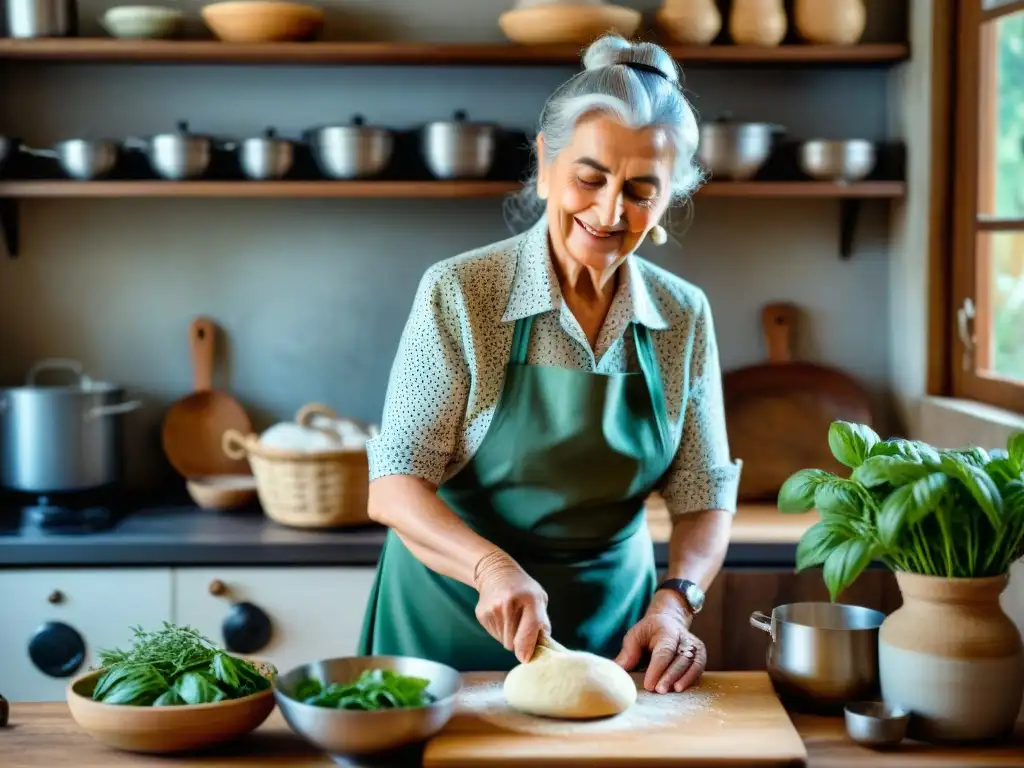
(651, 711)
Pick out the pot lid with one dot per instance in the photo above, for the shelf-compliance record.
(461, 119)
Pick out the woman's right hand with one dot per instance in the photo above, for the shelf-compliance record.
(512, 606)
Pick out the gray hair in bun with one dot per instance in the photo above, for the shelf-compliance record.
(635, 95)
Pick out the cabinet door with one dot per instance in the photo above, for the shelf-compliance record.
(288, 616)
(64, 616)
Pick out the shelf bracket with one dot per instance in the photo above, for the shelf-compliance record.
(9, 225)
(849, 212)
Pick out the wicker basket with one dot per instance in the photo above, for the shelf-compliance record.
(323, 489)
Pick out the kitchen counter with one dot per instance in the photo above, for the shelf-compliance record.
(45, 736)
(185, 535)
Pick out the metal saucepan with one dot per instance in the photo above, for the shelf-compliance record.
(458, 149)
(736, 151)
(822, 655)
(176, 156)
(61, 438)
(350, 151)
(81, 159)
(264, 157)
(842, 160)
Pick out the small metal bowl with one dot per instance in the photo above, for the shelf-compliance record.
(346, 734)
(876, 724)
(845, 160)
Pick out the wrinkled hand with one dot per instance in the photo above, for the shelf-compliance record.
(512, 606)
(678, 657)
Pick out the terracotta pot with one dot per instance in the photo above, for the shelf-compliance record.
(830, 22)
(952, 657)
(757, 22)
(690, 22)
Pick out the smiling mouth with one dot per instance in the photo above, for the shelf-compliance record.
(604, 235)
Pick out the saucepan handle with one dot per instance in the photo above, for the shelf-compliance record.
(759, 621)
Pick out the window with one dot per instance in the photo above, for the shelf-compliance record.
(988, 203)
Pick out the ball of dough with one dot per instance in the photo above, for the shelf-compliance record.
(569, 685)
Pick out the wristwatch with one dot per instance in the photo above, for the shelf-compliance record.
(690, 592)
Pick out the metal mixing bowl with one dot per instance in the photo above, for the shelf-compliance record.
(735, 151)
(82, 159)
(841, 160)
(876, 724)
(350, 151)
(352, 733)
(458, 149)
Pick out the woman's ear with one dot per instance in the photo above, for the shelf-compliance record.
(543, 171)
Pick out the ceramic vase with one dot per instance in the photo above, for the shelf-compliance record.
(757, 22)
(690, 22)
(830, 22)
(953, 657)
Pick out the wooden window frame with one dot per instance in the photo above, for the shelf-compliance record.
(964, 23)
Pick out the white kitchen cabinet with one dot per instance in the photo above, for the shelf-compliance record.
(82, 610)
(314, 613)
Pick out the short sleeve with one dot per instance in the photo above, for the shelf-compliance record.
(428, 386)
(702, 475)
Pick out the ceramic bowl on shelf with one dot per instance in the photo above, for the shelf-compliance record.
(844, 160)
(262, 21)
(166, 730)
(580, 24)
(143, 22)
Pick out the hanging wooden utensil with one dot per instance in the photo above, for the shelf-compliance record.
(194, 426)
(778, 413)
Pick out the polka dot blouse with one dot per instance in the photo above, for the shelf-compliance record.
(449, 369)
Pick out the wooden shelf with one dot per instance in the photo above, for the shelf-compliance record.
(101, 49)
(406, 189)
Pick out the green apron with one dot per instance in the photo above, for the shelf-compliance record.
(559, 483)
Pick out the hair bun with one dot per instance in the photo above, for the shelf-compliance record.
(613, 49)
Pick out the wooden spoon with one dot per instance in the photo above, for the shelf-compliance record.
(194, 426)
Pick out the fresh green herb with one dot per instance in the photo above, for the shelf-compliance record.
(374, 689)
(171, 667)
(917, 509)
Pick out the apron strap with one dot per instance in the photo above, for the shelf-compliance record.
(521, 340)
(649, 365)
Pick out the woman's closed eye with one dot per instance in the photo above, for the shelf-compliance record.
(641, 196)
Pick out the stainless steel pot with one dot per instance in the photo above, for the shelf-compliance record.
(350, 151)
(458, 149)
(61, 438)
(736, 151)
(176, 156)
(822, 655)
(841, 160)
(42, 18)
(266, 156)
(82, 159)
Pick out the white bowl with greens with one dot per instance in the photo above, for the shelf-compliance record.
(172, 691)
(363, 705)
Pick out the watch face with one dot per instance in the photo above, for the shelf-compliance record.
(694, 596)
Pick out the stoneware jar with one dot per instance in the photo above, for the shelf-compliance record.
(952, 657)
(757, 22)
(830, 22)
(690, 22)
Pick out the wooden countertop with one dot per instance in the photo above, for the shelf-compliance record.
(45, 736)
(753, 524)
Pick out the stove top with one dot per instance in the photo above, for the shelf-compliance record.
(61, 514)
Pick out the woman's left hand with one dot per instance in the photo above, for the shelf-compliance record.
(678, 657)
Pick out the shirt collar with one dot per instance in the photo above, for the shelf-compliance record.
(535, 287)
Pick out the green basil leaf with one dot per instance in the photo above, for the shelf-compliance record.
(1002, 471)
(844, 564)
(888, 470)
(1015, 447)
(839, 499)
(797, 493)
(817, 543)
(851, 443)
(109, 679)
(909, 505)
(225, 669)
(169, 698)
(198, 688)
(141, 687)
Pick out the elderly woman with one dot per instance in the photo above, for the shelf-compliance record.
(544, 386)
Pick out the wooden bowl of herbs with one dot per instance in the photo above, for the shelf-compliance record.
(172, 691)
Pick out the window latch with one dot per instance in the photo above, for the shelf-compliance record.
(965, 328)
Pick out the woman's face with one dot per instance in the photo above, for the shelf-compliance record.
(605, 190)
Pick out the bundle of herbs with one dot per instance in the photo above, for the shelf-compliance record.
(171, 667)
(374, 689)
(949, 513)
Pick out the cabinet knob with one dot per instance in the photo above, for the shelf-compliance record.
(56, 649)
(247, 628)
(217, 588)
(56, 597)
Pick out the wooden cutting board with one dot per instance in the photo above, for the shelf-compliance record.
(778, 413)
(731, 719)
